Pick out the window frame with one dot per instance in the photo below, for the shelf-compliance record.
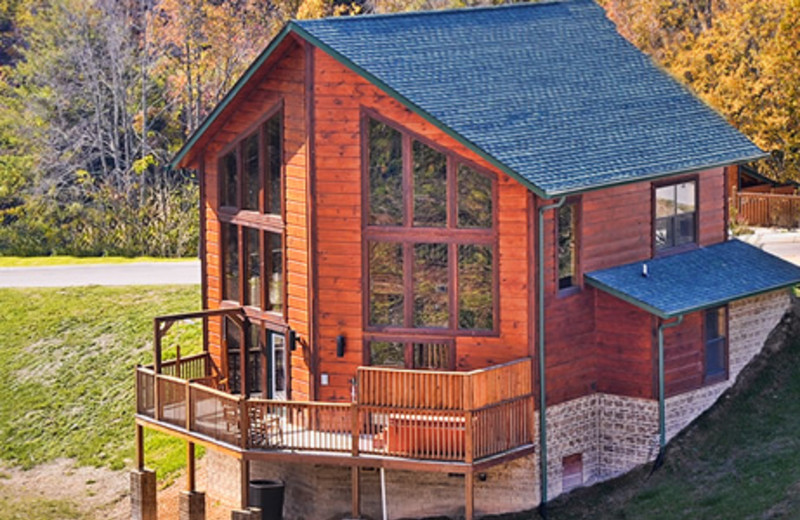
(654, 210)
(408, 235)
(577, 282)
(710, 379)
(234, 217)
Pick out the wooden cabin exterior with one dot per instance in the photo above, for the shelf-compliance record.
(384, 274)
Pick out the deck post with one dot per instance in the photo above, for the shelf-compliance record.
(245, 483)
(190, 467)
(355, 475)
(139, 447)
(469, 492)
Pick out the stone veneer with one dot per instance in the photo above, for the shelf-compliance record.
(613, 434)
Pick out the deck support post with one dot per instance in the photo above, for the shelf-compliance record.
(191, 505)
(139, 441)
(469, 492)
(190, 467)
(355, 476)
(245, 482)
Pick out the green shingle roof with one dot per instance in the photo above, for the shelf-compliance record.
(698, 279)
(549, 92)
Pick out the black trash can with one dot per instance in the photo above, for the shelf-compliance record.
(267, 495)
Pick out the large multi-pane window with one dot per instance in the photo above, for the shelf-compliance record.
(675, 215)
(430, 244)
(252, 222)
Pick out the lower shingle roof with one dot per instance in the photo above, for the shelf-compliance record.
(699, 279)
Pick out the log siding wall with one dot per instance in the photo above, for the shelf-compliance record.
(595, 342)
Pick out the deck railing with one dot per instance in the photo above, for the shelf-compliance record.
(442, 416)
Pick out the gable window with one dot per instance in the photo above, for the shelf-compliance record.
(675, 215)
(567, 235)
(716, 345)
(430, 237)
(250, 212)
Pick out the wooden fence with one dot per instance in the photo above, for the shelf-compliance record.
(425, 415)
(768, 209)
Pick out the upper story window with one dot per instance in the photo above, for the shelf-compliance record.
(567, 235)
(675, 215)
(430, 236)
(251, 207)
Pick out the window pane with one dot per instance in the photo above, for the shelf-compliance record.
(474, 199)
(475, 299)
(275, 273)
(274, 139)
(233, 344)
(431, 356)
(386, 288)
(279, 360)
(252, 293)
(385, 175)
(228, 175)
(684, 229)
(566, 246)
(254, 375)
(230, 235)
(430, 186)
(386, 354)
(685, 197)
(715, 357)
(431, 300)
(252, 185)
(665, 201)
(664, 234)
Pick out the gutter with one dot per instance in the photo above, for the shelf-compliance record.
(542, 382)
(662, 421)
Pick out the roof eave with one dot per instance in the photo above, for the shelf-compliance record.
(656, 176)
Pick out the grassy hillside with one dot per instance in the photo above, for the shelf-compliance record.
(740, 460)
(66, 372)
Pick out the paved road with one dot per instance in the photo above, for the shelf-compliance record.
(140, 273)
(785, 244)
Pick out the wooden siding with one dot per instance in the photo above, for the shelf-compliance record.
(339, 95)
(284, 82)
(684, 348)
(594, 342)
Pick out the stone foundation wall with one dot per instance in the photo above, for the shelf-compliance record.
(572, 428)
(628, 434)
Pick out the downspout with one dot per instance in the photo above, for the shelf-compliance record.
(542, 385)
(662, 421)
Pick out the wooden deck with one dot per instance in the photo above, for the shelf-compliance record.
(457, 419)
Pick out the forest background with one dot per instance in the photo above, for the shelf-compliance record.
(97, 95)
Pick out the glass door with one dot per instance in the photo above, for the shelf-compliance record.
(276, 350)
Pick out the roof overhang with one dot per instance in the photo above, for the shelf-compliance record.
(699, 279)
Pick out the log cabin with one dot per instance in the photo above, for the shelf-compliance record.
(454, 263)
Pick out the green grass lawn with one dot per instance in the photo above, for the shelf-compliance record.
(67, 359)
(740, 460)
(43, 261)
